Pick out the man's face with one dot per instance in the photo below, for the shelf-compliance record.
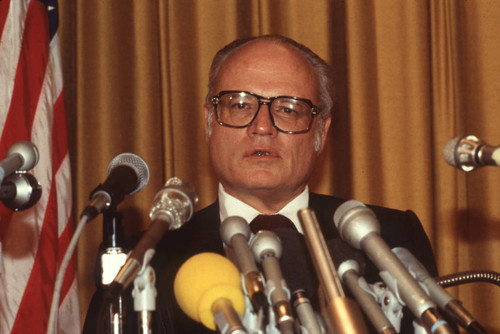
(259, 161)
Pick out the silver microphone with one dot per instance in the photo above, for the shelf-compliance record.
(468, 153)
(266, 247)
(22, 156)
(172, 206)
(442, 298)
(358, 225)
(235, 233)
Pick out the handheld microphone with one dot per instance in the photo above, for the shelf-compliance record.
(20, 191)
(359, 226)
(468, 153)
(442, 298)
(266, 248)
(172, 206)
(207, 288)
(22, 156)
(127, 174)
(350, 263)
(235, 233)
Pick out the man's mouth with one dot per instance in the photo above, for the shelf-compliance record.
(260, 153)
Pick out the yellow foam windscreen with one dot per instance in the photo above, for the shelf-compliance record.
(203, 279)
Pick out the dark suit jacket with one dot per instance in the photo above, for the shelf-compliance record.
(201, 234)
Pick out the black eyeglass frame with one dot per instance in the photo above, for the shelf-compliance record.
(214, 100)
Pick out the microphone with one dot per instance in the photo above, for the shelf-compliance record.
(207, 288)
(266, 248)
(172, 206)
(127, 174)
(442, 298)
(468, 153)
(20, 191)
(22, 156)
(350, 263)
(235, 232)
(342, 313)
(359, 226)
(298, 272)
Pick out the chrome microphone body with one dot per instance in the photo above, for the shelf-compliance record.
(468, 153)
(235, 233)
(442, 298)
(22, 156)
(267, 250)
(172, 206)
(358, 225)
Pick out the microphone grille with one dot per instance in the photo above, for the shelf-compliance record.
(28, 151)
(137, 164)
(449, 151)
(345, 207)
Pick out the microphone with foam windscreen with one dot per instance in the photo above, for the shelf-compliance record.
(358, 225)
(207, 288)
(267, 250)
(127, 174)
(442, 298)
(172, 206)
(298, 272)
(20, 191)
(235, 233)
(468, 153)
(350, 263)
(22, 156)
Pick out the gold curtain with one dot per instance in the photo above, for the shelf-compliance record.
(409, 76)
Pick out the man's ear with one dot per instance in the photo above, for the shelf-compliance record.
(207, 125)
(324, 132)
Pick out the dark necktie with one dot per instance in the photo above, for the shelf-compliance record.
(271, 222)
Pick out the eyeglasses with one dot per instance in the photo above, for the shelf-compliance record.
(237, 109)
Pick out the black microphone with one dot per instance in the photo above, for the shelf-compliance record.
(298, 272)
(22, 156)
(359, 226)
(468, 153)
(235, 233)
(127, 174)
(350, 265)
(20, 191)
(267, 250)
(172, 206)
(442, 298)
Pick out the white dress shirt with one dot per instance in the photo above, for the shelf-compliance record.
(231, 206)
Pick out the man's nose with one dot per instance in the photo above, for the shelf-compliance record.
(262, 124)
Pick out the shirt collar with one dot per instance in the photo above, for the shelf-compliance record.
(231, 206)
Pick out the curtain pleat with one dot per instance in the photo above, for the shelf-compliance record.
(409, 76)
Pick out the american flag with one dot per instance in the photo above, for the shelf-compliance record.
(32, 108)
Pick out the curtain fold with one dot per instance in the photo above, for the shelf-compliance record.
(409, 76)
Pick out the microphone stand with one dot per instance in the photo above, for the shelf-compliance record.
(112, 258)
(144, 294)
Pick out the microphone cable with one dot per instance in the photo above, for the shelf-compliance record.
(52, 325)
(470, 276)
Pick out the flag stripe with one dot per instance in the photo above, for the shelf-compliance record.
(29, 77)
(4, 10)
(10, 47)
(37, 238)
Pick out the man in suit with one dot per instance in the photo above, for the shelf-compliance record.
(267, 115)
